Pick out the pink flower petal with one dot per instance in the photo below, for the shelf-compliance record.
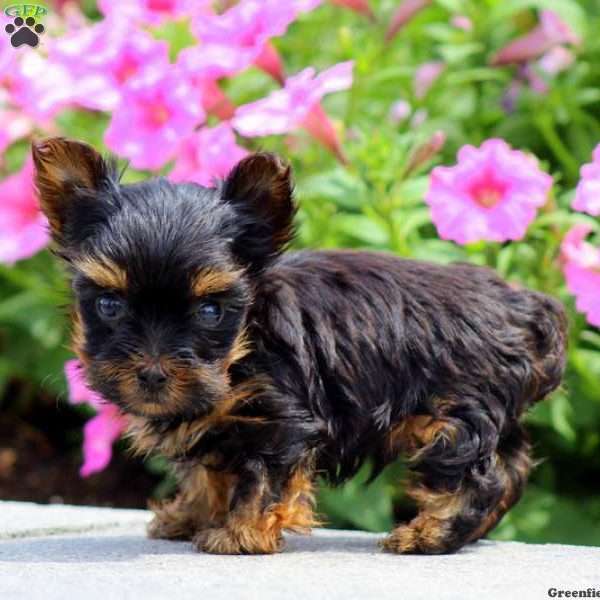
(154, 116)
(239, 37)
(79, 392)
(23, 228)
(99, 434)
(462, 22)
(154, 12)
(556, 60)
(14, 125)
(208, 155)
(103, 57)
(270, 62)
(425, 76)
(321, 128)
(407, 10)
(550, 32)
(587, 194)
(101, 431)
(557, 31)
(582, 272)
(399, 111)
(361, 7)
(284, 110)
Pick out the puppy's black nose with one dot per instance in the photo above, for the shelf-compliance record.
(152, 378)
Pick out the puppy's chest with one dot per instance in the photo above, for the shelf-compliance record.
(203, 440)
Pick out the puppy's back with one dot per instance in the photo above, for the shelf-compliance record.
(386, 321)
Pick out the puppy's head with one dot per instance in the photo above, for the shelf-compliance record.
(162, 273)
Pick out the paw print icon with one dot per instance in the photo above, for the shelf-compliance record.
(24, 32)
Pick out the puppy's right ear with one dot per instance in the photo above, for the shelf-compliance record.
(67, 175)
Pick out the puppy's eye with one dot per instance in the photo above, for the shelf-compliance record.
(110, 307)
(210, 314)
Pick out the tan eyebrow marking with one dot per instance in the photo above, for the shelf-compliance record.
(210, 281)
(103, 271)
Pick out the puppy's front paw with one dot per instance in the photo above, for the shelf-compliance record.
(229, 541)
(164, 529)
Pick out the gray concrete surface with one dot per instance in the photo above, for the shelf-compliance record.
(100, 554)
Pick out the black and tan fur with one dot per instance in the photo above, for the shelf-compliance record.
(321, 360)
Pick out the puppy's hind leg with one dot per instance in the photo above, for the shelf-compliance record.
(463, 481)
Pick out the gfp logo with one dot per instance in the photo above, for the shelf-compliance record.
(25, 10)
(25, 29)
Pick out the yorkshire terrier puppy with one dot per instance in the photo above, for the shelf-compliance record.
(253, 370)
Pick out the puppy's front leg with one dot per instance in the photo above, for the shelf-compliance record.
(259, 515)
(202, 502)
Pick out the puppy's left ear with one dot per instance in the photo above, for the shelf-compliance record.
(261, 190)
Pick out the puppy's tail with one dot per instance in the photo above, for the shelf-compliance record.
(548, 326)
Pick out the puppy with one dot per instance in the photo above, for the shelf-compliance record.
(254, 370)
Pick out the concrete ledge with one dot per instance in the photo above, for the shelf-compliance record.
(24, 519)
(55, 552)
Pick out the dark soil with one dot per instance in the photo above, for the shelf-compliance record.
(40, 459)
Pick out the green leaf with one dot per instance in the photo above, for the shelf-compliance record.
(561, 413)
(358, 504)
(338, 186)
(362, 228)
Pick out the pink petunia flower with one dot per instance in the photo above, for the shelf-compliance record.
(207, 155)
(407, 10)
(536, 82)
(581, 267)
(361, 7)
(23, 228)
(39, 87)
(297, 105)
(240, 36)
(425, 76)
(79, 392)
(425, 152)
(419, 117)
(551, 31)
(101, 431)
(302, 6)
(492, 193)
(155, 114)
(271, 63)
(535, 75)
(284, 110)
(202, 69)
(154, 12)
(462, 22)
(102, 58)
(399, 112)
(587, 194)
(7, 53)
(14, 125)
(556, 60)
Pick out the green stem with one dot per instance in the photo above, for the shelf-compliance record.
(561, 152)
(491, 255)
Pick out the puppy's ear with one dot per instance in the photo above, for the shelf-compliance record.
(67, 175)
(261, 190)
